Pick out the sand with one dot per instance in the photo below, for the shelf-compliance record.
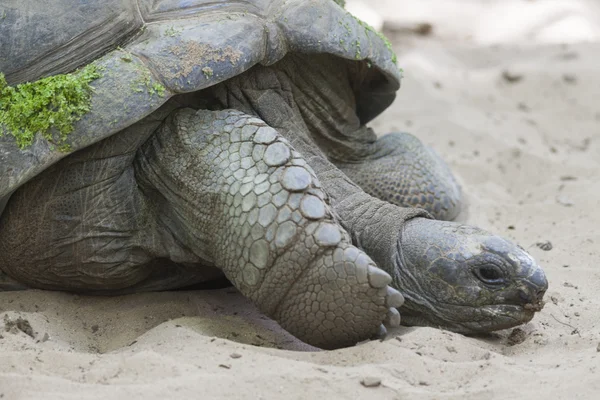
(516, 117)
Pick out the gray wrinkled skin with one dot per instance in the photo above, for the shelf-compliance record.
(265, 173)
(482, 280)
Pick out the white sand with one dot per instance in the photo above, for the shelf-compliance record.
(528, 156)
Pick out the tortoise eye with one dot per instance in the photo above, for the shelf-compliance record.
(489, 274)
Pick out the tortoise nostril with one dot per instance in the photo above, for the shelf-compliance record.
(531, 297)
(540, 294)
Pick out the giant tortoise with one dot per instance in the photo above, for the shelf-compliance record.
(230, 138)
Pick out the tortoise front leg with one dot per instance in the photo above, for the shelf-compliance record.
(399, 169)
(238, 195)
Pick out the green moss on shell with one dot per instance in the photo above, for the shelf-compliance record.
(144, 83)
(208, 72)
(172, 31)
(57, 102)
(386, 41)
(358, 54)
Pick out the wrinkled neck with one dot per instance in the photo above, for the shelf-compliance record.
(376, 226)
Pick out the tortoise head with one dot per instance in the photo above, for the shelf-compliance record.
(465, 279)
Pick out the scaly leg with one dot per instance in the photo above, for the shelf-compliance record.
(399, 169)
(234, 191)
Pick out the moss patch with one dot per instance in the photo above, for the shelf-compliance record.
(54, 102)
(341, 2)
(386, 41)
(143, 83)
(208, 72)
(172, 32)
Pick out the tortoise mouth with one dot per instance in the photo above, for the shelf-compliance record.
(473, 320)
(497, 317)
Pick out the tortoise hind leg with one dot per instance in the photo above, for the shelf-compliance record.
(83, 225)
(8, 284)
(399, 169)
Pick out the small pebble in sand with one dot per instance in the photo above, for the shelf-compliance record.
(19, 324)
(423, 29)
(546, 245)
(226, 366)
(235, 355)
(570, 79)
(598, 347)
(511, 77)
(370, 381)
(45, 338)
(568, 178)
(517, 336)
(564, 201)
(523, 107)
